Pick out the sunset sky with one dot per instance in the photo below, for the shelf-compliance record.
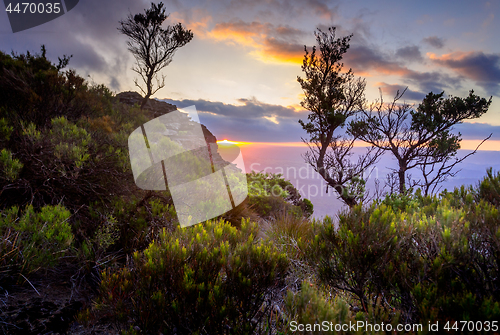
(241, 68)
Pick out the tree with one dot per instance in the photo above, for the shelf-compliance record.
(332, 96)
(420, 139)
(152, 46)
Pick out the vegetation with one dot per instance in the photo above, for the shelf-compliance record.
(33, 240)
(211, 279)
(332, 97)
(270, 194)
(420, 139)
(69, 206)
(152, 45)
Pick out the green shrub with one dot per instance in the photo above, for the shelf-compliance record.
(10, 167)
(67, 138)
(137, 221)
(34, 240)
(32, 89)
(208, 279)
(359, 255)
(288, 231)
(458, 251)
(310, 306)
(270, 193)
(5, 128)
(433, 259)
(489, 188)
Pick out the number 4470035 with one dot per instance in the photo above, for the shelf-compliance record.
(471, 326)
(33, 8)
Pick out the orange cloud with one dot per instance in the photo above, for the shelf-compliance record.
(239, 32)
(273, 50)
(270, 43)
(197, 20)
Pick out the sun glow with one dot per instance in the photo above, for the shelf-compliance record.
(226, 142)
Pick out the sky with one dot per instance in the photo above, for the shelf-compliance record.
(240, 70)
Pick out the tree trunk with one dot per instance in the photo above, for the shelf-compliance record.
(401, 176)
(350, 201)
(145, 101)
(148, 88)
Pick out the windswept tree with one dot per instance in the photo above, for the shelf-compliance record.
(332, 96)
(420, 139)
(152, 45)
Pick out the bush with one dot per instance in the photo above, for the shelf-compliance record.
(9, 167)
(270, 194)
(360, 255)
(431, 258)
(489, 188)
(33, 240)
(310, 306)
(287, 231)
(139, 220)
(32, 89)
(208, 279)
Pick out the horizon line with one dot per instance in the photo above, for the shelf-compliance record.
(490, 145)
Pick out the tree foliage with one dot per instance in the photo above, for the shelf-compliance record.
(332, 96)
(420, 139)
(152, 45)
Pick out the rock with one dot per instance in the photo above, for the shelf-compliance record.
(159, 108)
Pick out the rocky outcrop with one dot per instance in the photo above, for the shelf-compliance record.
(158, 108)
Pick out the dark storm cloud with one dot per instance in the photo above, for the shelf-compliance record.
(254, 130)
(283, 50)
(478, 131)
(389, 91)
(432, 81)
(434, 41)
(288, 8)
(365, 60)
(249, 109)
(480, 67)
(247, 122)
(88, 32)
(410, 53)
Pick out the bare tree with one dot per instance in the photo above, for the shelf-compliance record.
(152, 46)
(332, 97)
(420, 138)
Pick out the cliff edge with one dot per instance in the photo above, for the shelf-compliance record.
(157, 108)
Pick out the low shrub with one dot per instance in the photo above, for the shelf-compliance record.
(489, 188)
(270, 193)
(433, 259)
(316, 313)
(33, 240)
(139, 220)
(310, 306)
(359, 255)
(208, 279)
